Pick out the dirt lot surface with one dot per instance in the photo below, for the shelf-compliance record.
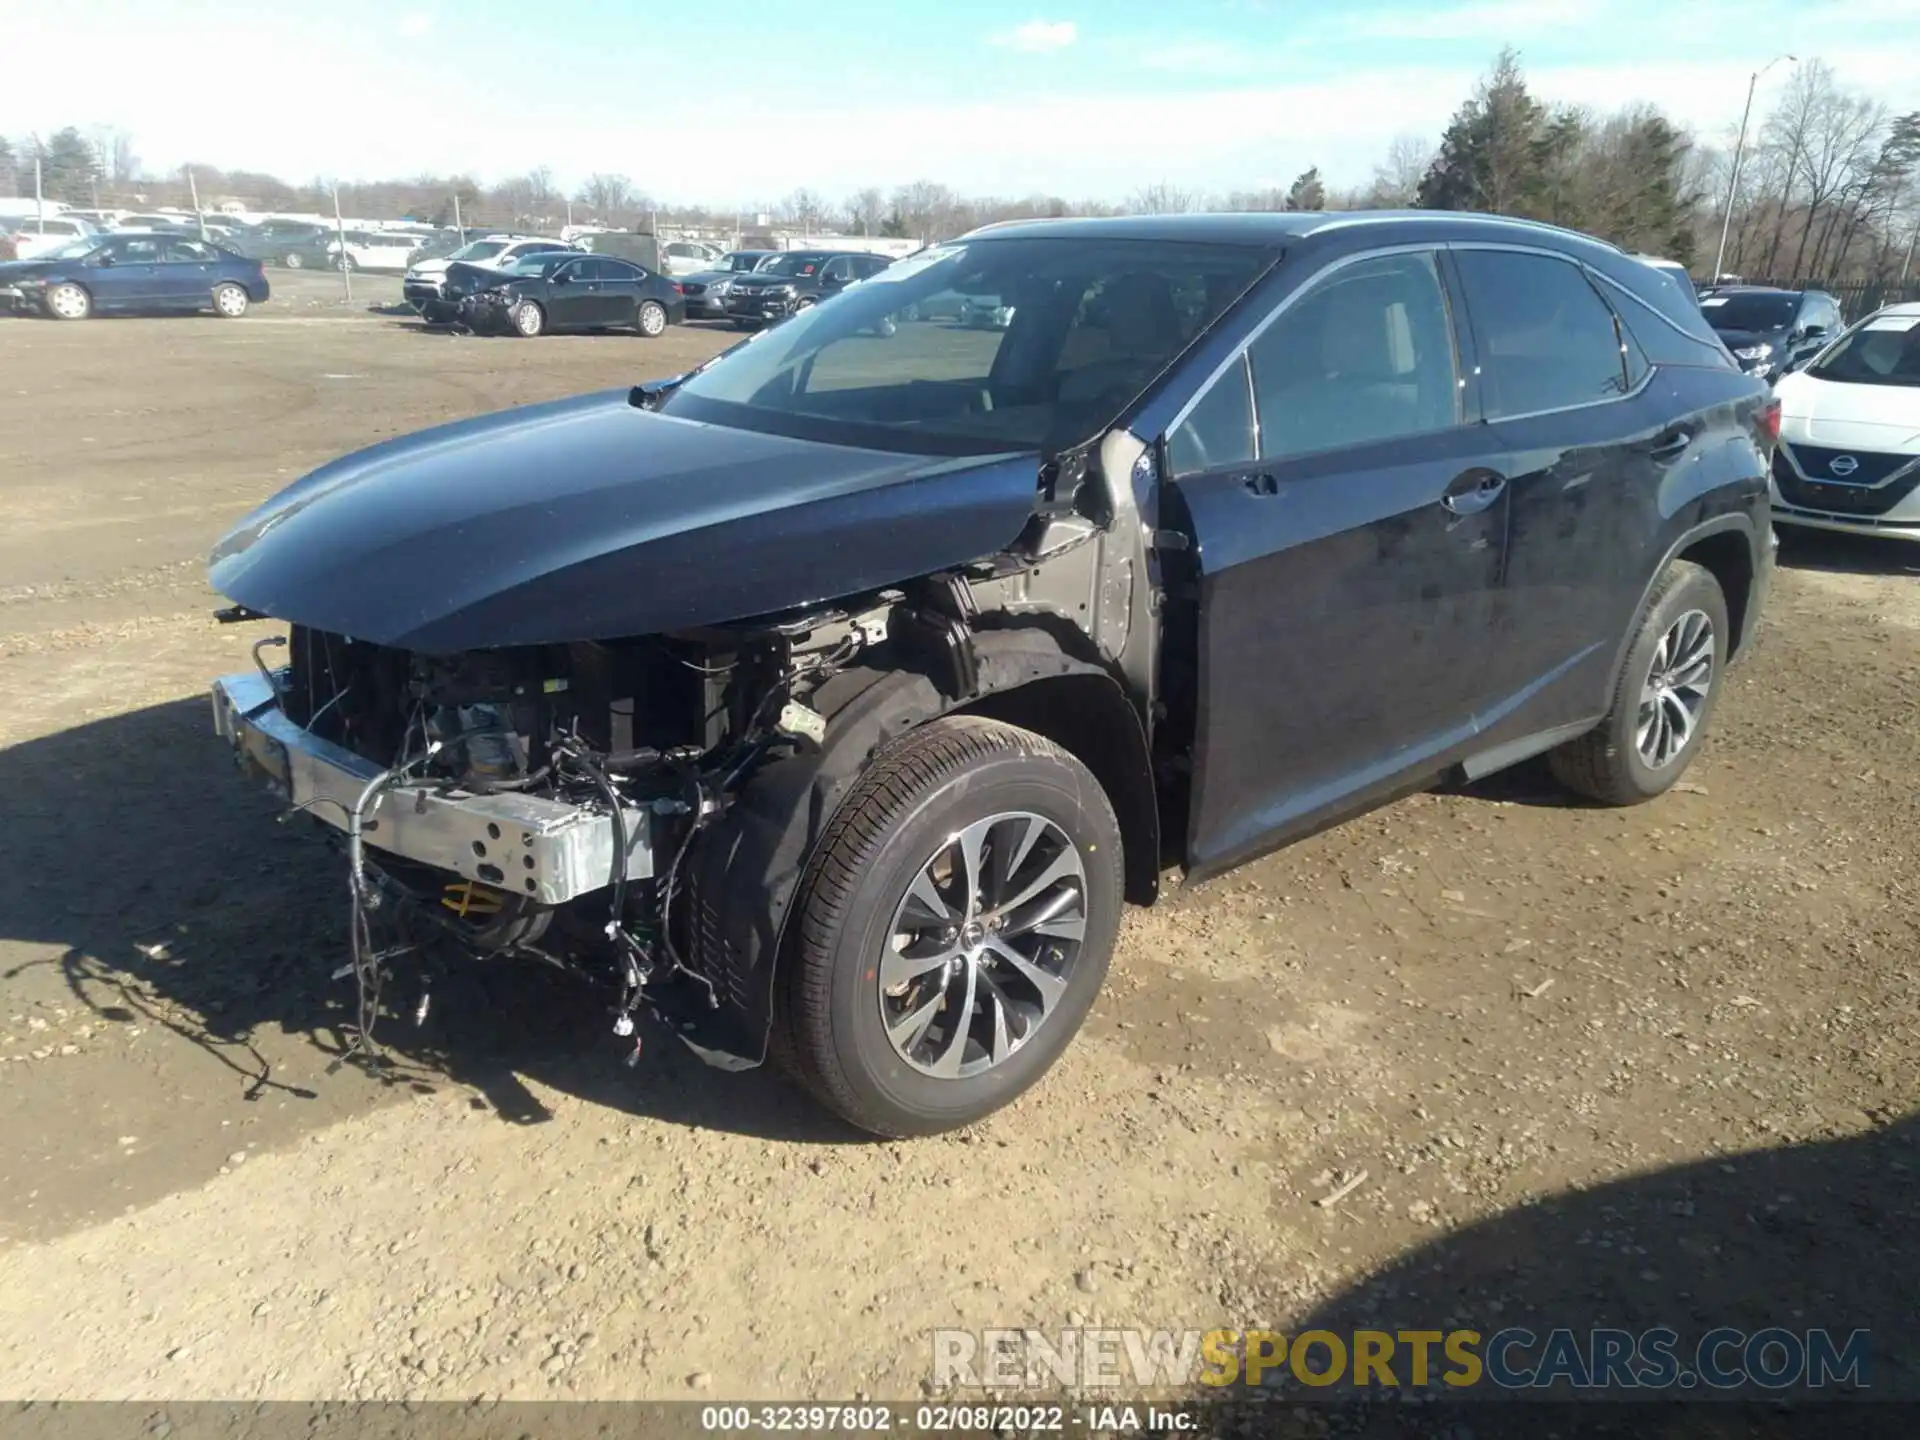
(1567, 1066)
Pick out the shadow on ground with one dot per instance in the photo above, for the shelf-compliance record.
(178, 899)
(1828, 550)
(1803, 1238)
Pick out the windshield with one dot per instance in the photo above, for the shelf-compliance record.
(533, 262)
(794, 263)
(479, 250)
(884, 364)
(743, 260)
(1750, 311)
(72, 249)
(1881, 351)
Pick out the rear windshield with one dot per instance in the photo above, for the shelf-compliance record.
(885, 365)
(1750, 312)
(1882, 351)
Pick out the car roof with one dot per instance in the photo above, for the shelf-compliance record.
(1902, 310)
(1267, 228)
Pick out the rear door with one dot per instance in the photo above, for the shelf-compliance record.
(1587, 432)
(1350, 530)
(620, 288)
(184, 277)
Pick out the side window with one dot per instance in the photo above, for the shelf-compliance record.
(1547, 340)
(589, 270)
(837, 270)
(139, 252)
(1631, 354)
(872, 265)
(1365, 355)
(187, 251)
(1219, 430)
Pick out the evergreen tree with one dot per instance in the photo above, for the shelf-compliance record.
(1306, 192)
(68, 169)
(1494, 154)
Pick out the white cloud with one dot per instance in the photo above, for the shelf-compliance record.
(1039, 37)
(1498, 22)
(413, 26)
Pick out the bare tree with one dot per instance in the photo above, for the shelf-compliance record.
(867, 209)
(1396, 180)
(804, 208)
(606, 195)
(1162, 198)
(927, 210)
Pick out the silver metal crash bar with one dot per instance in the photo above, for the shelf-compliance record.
(548, 850)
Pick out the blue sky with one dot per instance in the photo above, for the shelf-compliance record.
(737, 102)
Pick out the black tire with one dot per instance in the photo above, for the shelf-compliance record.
(650, 319)
(527, 319)
(922, 790)
(1607, 764)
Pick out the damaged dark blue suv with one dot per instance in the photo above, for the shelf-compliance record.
(829, 701)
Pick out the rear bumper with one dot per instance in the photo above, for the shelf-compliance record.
(548, 851)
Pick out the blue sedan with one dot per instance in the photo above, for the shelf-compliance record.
(133, 271)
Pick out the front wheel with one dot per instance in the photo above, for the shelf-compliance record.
(952, 930)
(651, 319)
(528, 318)
(68, 301)
(229, 301)
(1663, 699)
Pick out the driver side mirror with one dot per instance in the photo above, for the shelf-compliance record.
(1813, 332)
(102, 260)
(561, 277)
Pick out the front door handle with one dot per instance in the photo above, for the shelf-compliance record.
(1473, 491)
(1260, 483)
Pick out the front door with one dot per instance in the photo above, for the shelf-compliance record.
(572, 297)
(125, 273)
(1351, 532)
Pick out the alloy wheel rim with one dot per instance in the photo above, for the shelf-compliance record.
(529, 320)
(652, 319)
(983, 945)
(1674, 694)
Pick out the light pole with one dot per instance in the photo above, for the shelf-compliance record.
(1739, 149)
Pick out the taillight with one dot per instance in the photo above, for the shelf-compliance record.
(678, 288)
(1770, 421)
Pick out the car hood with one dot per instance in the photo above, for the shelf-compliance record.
(26, 269)
(591, 519)
(1843, 415)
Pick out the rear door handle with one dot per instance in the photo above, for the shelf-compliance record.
(1473, 491)
(1671, 445)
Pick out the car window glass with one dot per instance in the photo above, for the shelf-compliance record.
(1547, 340)
(1365, 355)
(1219, 429)
(143, 251)
(1632, 355)
(187, 251)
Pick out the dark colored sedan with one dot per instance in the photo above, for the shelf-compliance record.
(546, 292)
(133, 271)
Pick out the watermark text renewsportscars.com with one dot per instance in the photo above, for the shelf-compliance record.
(1515, 1358)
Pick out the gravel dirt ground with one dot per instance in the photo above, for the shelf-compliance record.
(1586, 1066)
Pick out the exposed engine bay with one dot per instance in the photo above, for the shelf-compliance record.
(650, 739)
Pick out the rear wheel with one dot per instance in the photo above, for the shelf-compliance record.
(294, 260)
(953, 928)
(68, 301)
(1663, 699)
(650, 319)
(528, 318)
(229, 301)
